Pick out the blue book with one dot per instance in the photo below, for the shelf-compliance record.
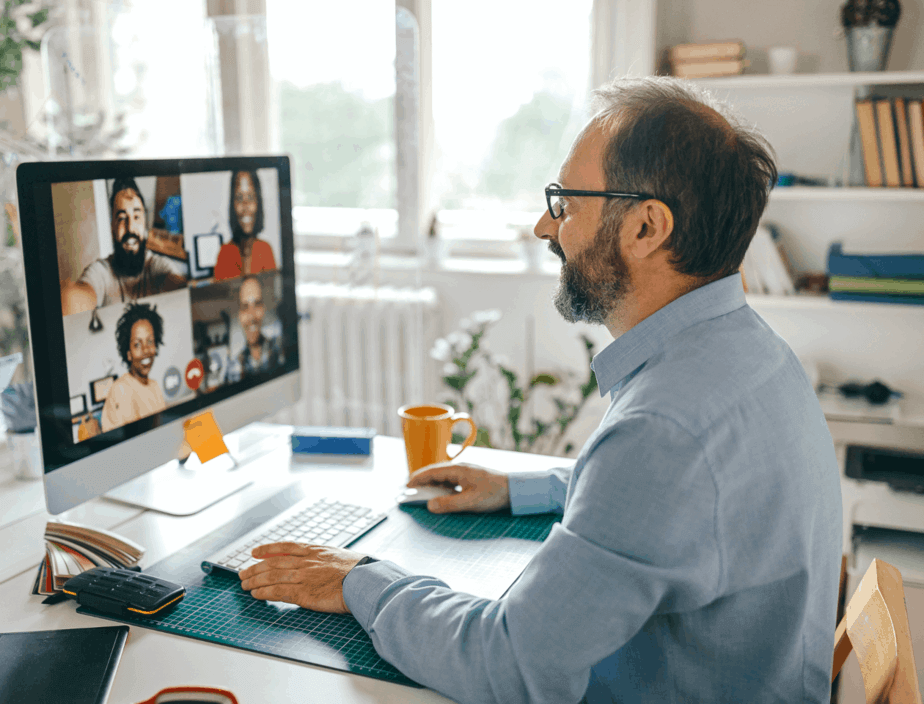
(877, 265)
(877, 298)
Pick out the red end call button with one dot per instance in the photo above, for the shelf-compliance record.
(194, 374)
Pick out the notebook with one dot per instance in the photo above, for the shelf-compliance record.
(75, 665)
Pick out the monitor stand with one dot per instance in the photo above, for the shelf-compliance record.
(182, 489)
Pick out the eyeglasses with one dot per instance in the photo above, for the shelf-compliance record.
(556, 207)
(192, 695)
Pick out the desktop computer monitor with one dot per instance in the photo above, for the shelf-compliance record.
(157, 290)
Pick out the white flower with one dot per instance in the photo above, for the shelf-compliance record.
(450, 369)
(459, 339)
(466, 325)
(441, 351)
(487, 316)
(500, 360)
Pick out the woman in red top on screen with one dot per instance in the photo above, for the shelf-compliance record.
(245, 254)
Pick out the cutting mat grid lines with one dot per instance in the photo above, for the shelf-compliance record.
(217, 610)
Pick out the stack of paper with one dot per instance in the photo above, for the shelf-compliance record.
(71, 548)
(765, 268)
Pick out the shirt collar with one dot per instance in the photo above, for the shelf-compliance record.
(623, 357)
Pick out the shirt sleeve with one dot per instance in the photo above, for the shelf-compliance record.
(117, 410)
(98, 275)
(638, 540)
(539, 492)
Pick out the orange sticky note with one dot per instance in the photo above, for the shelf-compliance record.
(204, 437)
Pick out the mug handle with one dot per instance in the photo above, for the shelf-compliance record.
(472, 434)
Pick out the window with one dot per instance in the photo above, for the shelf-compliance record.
(509, 89)
(510, 83)
(332, 67)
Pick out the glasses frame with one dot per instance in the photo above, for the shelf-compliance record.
(555, 189)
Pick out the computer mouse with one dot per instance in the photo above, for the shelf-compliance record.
(421, 495)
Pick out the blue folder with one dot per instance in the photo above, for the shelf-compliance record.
(880, 265)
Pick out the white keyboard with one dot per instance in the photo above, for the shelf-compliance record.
(321, 522)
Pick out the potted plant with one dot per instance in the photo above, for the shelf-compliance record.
(869, 25)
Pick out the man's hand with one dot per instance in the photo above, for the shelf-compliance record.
(310, 576)
(483, 490)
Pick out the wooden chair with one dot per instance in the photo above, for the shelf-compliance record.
(875, 625)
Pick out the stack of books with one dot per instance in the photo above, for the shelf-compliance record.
(892, 138)
(707, 60)
(71, 548)
(765, 268)
(873, 277)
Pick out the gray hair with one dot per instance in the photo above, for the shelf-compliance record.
(673, 140)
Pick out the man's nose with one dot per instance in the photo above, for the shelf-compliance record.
(546, 228)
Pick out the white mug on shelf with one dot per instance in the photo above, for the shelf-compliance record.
(782, 59)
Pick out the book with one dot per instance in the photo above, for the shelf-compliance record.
(866, 122)
(75, 665)
(714, 51)
(874, 264)
(904, 143)
(895, 298)
(875, 284)
(887, 143)
(707, 69)
(71, 548)
(916, 137)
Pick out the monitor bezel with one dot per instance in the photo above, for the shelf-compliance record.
(46, 327)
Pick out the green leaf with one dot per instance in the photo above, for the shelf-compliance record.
(483, 438)
(544, 379)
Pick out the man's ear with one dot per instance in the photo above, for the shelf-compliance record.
(652, 223)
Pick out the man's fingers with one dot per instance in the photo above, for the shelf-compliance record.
(271, 577)
(436, 474)
(278, 592)
(263, 551)
(460, 501)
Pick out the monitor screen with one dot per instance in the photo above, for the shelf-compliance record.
(156, 289)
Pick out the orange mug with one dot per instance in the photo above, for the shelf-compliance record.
(428, 432)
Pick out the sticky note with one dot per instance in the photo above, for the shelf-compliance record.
(204, 437)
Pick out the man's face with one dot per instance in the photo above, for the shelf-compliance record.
(129, 233)
(141, 349)
(250, 310)
(594, 274)
(245, 202)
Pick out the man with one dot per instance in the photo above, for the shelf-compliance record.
(131, 271)
(260, 353)
(134, 395)
(698, 555)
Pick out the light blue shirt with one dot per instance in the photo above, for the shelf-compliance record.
(698, 557)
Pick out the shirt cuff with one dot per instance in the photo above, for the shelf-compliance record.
(535, 492)
(363, 587)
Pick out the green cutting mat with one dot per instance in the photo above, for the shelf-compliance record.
(217, 610)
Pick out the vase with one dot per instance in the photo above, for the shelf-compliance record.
(868, 47)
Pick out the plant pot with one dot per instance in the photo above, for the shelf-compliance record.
(868, 47)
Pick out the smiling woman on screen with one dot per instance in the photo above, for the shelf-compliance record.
(245, 254)
(134, 395)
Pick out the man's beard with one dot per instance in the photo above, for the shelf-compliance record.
(127, 263)
(593, 282)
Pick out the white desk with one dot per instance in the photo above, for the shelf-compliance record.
(153, 660)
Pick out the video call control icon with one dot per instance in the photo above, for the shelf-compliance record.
(172, 381)
(194, 374)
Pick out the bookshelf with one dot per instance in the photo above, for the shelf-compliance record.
(847, 194)
(814, 80)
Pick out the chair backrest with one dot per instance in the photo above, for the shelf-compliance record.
(875, 626)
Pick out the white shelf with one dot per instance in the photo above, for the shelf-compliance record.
(810, 193)
(810, 80)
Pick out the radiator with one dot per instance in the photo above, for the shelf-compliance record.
(364, 353)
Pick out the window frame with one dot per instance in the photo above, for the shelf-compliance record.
(623, 43)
